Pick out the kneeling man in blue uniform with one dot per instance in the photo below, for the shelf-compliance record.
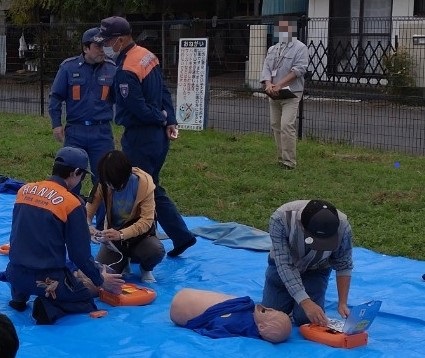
(48, 227)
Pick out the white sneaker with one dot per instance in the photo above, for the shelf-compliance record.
(147, 276)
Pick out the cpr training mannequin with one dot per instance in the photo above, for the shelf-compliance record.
(219, 315)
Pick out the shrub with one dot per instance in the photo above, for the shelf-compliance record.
(399, 72)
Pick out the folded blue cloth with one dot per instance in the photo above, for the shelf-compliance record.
(9, 185)
(232, 234)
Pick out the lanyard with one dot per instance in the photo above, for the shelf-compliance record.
(278, 59)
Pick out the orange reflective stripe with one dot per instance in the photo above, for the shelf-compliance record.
(105, 92)
(76, 92)
(140, 61)
(49, 196)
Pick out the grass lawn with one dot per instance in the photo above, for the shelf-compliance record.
(230, 177)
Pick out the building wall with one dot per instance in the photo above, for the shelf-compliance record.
(407, 31)
(403, 7)
(319, 8)
(4, 5)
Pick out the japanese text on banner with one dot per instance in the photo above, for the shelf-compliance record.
(192, 82)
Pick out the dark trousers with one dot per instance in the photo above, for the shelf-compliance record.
(71, 295)
(275, 294)
(147, 148)
(148, 252)
(96, 140)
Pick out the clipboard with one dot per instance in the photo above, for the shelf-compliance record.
(284, 93)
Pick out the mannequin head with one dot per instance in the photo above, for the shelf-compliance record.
(274, 326)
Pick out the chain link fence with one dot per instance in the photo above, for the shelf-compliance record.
(365, 83)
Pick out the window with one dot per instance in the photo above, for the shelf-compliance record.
(359, 30)
(419, 9)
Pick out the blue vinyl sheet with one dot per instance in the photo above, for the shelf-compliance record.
(146, 331)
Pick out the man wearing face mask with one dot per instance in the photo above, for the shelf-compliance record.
(145, 109)
(84, 83)
(284, 67)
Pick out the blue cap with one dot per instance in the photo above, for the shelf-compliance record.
(88, 36)
(113, 26)
(74, 158)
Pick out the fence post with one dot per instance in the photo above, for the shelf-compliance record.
(41, 70)
(302, 26)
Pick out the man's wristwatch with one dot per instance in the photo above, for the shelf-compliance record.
(121, 235)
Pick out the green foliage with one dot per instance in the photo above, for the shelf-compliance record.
(229, 177)
(28, 11)
(399, 71)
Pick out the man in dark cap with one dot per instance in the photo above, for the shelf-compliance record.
(145, 109)
(49, 225)
(84, 83)
(309, 239)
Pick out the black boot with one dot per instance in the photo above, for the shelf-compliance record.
(39, 312)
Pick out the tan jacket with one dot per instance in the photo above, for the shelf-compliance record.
(143, 208)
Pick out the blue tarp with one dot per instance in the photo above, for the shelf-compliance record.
(147, 331)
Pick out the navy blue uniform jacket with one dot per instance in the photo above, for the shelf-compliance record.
(48, 223)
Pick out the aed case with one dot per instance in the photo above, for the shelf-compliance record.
(132, 295)
(332, 338)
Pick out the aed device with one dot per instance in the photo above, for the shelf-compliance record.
(331, 337)
(344, 334)
(131, 295)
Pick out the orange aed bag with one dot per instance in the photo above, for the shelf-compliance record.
(132, 295)
(332, 338)
(345, 334)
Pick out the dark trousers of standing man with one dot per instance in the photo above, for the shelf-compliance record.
(146, 147)
(96, 139)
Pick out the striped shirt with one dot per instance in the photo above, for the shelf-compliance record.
(293, 257)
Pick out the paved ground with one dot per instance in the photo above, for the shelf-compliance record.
(375, 124)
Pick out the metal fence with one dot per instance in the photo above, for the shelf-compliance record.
(365, 83)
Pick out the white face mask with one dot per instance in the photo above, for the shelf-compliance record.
(109, 51)
(285, 31)
(285, 37)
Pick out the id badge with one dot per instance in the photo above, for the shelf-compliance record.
(274, 73)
